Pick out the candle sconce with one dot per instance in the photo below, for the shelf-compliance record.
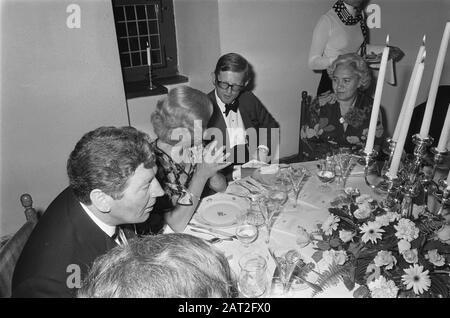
(389, 151)
(419, 152)
(393, 197)
(442, 194)
(427, 179)
(368, 160)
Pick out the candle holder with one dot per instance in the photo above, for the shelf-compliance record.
(442, 195)
(419, 152)
(389, 151)
(409, 192)
(393, 184)
(427, 179)
(369, 160)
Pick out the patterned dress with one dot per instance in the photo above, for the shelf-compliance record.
(174, 180)
(323, 128)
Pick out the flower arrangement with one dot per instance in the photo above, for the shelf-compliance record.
(387, 255)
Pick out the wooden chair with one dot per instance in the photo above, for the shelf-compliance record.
(11, 250)
(304, 106)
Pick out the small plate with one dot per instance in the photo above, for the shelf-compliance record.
(221, 210)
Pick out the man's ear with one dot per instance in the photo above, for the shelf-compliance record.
(213, 78)
(101, 200)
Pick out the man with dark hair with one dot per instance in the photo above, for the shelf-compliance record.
(112, 182)
(245, 124)
(161, 266)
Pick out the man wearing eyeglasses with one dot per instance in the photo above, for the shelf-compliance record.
(238, 113)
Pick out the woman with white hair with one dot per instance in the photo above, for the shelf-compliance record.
(341, 118)
(184, 164)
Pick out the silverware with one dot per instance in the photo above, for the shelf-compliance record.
(212, 230)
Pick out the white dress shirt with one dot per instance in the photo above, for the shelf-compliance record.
(235, 125)
(108, 229)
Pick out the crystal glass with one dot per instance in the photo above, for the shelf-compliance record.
(271, 206)
(286, 263)
(246, 233)
(344, 159)
(296, 176)
(325, 174)
(252, 280)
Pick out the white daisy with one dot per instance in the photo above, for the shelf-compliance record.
(417, 279)
(372, 232)
(330, 224)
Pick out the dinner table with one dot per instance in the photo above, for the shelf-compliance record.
(287, 233)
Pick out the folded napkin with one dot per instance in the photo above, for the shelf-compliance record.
(254, 164)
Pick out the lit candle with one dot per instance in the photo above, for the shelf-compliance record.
(149, 58)
(424, 129)
(377, 99)
(400, 119)
(444, 133)
(393, 169)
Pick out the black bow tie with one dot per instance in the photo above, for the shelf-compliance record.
(234, 106)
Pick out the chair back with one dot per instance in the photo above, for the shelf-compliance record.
(304, 106)
(11, 250)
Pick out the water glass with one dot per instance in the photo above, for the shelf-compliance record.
(246, 233)
(252, 280)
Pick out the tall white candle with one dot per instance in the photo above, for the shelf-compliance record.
(444, 133)
(425, 128)
(377, 99)
(400, 119)
(393, 169)
(149, 58)
(448, 181)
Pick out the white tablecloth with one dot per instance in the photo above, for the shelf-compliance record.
(312, 209)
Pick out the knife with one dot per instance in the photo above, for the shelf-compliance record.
(212, 230)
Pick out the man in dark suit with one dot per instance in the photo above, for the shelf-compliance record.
(240, 120)
(112, 182)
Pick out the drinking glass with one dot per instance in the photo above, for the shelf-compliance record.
(344, 160)
(246, 233)
(325, 174)
(252, 280)
(296, 176)
(286, 262)
(271, 207)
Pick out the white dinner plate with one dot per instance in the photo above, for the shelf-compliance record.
(221, 210)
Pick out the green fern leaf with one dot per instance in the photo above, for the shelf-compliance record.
(332, 276)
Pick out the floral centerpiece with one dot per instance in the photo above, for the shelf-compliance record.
(387, 255)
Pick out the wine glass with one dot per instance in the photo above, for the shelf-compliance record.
(285, 264)
(271, 206)
(252, 280)
(344, 160)
(325, 174)
(296, 177)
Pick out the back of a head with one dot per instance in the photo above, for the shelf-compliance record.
(167, 266)
(181, 107)
(105, 158)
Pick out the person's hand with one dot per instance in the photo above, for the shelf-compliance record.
(213, 160)
(395, 53)
(327, 98)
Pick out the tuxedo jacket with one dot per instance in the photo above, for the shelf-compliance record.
(254, 115)
(60, 250)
